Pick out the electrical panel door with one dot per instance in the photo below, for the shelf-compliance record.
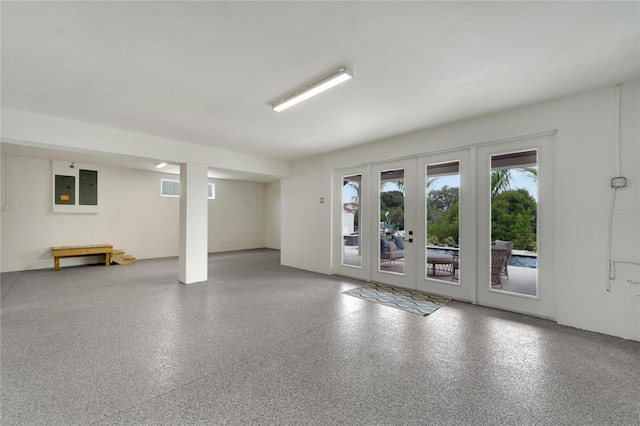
(65, 190)
(88, 191)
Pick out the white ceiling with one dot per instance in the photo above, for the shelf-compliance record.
(207, 72)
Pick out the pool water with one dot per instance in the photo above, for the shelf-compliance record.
(523, 261)
(515, 260)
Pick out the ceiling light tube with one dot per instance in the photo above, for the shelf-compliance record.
(160, 165)
(341, 76)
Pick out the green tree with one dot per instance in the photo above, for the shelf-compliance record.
(391, 199)
(446, 225)
(443, 198)
(392, 202)
(513, 218)
(396, 215)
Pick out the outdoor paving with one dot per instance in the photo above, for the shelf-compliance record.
(521, 280)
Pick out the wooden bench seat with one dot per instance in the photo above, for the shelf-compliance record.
(77, 251)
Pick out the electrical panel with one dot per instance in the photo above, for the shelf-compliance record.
(74, 187)
(65, 190)
(88, 188)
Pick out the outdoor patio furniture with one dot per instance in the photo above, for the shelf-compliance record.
(389, 251)
(440, 264)
(499, 260)
(505, 245)
(456, 265)
(351, 240)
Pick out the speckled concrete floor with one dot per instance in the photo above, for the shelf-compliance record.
(265, 344)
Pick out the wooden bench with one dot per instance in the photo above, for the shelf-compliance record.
(77, 251)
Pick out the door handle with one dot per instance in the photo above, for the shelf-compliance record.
(410, 240)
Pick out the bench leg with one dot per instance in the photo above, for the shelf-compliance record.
(56, 263)
(107, 260)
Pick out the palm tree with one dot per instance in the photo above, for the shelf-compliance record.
(500, 181)
(531, 172)
(430, 214)
(399, 183)
(356, 188)
(430, 182)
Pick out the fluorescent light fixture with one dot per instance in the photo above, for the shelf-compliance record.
(160, 165)
(341, 76)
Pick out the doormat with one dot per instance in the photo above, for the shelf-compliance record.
(408, 300)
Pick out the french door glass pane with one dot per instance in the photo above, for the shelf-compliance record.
(391, 208)
(442, 188)
(514, 211)
(351, 250)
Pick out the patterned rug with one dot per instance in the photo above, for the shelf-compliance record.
(408, 300)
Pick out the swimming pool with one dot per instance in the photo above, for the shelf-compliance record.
(523, 261)
(515, 260)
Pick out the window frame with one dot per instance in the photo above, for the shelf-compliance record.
(211, 185)
(162, 194)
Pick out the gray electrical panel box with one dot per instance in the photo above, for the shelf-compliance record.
(65, 190)
(88, 188)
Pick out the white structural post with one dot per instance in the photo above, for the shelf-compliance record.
(193, 223)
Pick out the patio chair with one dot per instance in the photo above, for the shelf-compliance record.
(499, 260)
(389, 251)
(509, 246)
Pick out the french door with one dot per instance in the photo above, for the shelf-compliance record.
(474, 224)
(403, 209)
(516, 221)
(446, 225)
(394, 245)
(352, 217)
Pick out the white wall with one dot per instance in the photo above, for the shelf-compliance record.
(306, 223)
(133, 216)
(585, 161)
(272, 215)
(236, 216)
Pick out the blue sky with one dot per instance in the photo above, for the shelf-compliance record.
(518, 180)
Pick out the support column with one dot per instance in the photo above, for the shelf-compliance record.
(193, 223)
